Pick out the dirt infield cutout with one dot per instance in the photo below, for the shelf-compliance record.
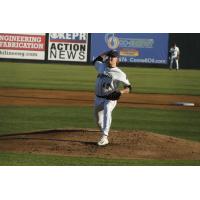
(35, 97)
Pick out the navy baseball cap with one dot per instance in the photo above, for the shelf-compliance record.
(113, 53)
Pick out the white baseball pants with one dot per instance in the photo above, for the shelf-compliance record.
(103, 114)
(174, 58)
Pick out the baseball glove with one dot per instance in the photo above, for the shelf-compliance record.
(114, 96)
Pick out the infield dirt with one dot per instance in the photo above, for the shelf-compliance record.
(34, 97)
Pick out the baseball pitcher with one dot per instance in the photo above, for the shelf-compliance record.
(107, 93)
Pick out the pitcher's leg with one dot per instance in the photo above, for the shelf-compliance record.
(108, 108)
(98, 115)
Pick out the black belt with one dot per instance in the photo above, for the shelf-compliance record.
(103, 75)
(104, 97)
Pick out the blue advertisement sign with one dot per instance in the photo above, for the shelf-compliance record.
(133, 47)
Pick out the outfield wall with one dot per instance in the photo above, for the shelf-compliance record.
(136, 49)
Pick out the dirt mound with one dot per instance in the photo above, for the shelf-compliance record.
(82, 143)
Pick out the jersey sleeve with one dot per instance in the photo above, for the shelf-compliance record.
(99, 66)
(123, 78)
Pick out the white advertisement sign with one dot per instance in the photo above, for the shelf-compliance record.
(68, 47)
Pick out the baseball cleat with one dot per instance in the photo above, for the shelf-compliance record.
(103, 141)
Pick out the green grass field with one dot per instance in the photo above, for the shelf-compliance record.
(178, 123)
(20, 159)
(69, 77)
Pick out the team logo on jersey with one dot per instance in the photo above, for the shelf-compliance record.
(111, 40)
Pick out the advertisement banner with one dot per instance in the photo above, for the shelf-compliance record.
(68, 47)
(22, 46)
(133, 47)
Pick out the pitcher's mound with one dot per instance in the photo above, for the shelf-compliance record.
(82, 143)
